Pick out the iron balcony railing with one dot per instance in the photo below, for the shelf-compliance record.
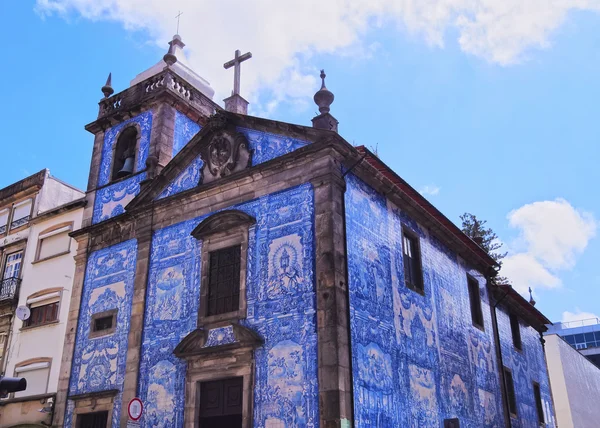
(8, 288)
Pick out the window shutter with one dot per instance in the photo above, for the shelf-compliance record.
(54, 244)
(3, 218)
(22, 210)
(37, 378)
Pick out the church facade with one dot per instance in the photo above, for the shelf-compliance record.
(235, 271)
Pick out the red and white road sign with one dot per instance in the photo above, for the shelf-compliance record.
(135, 409)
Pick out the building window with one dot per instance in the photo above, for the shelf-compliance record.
(413, 276)
(516, 331)
(21, 214)
(224, 281)
(54, 242)
(124, 154)
(43, 306)
(451, 423)
(103, 323)
(221, 403)
(475, 301)
(538, 402)
(92, 420)
(3, 220)
(12, 266)
(36, 373)
(510, 391)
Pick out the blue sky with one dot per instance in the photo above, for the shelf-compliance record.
(493, 113)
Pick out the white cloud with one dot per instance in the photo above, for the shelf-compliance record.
(283, 35)
(430, 189)
(588, 318)
(551, 236)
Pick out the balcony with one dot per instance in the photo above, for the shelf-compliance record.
(19, 222)
(8, 289)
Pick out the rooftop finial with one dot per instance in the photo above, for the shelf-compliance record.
(531, 299)
(170, 58)
(323, 98)
(107, 89)
(178, 15)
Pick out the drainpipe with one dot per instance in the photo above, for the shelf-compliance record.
(506, 409)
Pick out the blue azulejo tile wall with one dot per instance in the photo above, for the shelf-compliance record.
(280, 308)
(99, 362)
(185, 129)
(416, 359)
(110, 201)
(527, 365)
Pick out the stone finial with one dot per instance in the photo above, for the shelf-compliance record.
(531, 299)
(170, 57)
(324, 97)
(107, 89)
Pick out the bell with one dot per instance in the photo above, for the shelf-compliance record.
(127, 168)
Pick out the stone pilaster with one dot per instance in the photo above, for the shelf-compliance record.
(335, 380)
(96, 159)
(161, 136)
(136, 324)
(71, 331)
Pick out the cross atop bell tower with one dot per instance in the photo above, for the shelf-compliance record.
(235, 103)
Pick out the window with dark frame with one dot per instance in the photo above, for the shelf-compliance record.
(516, 331)
(42, 314)
(451, 423)
(103, 323)
(224, 281)
(92, 420)
(413, 276)
(475, 301)
(538, 402)
(510, 390)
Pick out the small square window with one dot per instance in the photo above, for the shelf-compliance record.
(516, 331)
(589, 337)
(103, 323)
(411, 251)
(510, 390)
(451, 423)
(475, 300)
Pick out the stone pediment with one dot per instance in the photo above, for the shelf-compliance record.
(218, 150)
(217, 339)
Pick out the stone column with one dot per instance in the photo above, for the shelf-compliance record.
(335, 380)
(71, 332)
(143, 233)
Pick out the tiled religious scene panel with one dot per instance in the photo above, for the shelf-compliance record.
(99, 359)
(187, 179)
(416, 358)
(280, 309)
(185, 129)
(143, 123)
(528, 366)
(266, 146)
(111, 200)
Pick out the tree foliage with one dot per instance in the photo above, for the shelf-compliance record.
(488, 240)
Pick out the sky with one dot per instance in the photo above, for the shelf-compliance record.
(484, 106)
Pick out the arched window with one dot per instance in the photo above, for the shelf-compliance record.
(124, 156)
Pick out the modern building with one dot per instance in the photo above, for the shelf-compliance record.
(575, 384)
(236, 271)
(583, 335)
(37, 214)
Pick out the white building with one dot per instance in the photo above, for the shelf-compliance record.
(575, 383)
(36, 254)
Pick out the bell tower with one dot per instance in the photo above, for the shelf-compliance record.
(139, 130)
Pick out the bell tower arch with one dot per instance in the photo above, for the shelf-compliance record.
(139, 130)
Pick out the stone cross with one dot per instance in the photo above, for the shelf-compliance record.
(180, 13)
(237, 62)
